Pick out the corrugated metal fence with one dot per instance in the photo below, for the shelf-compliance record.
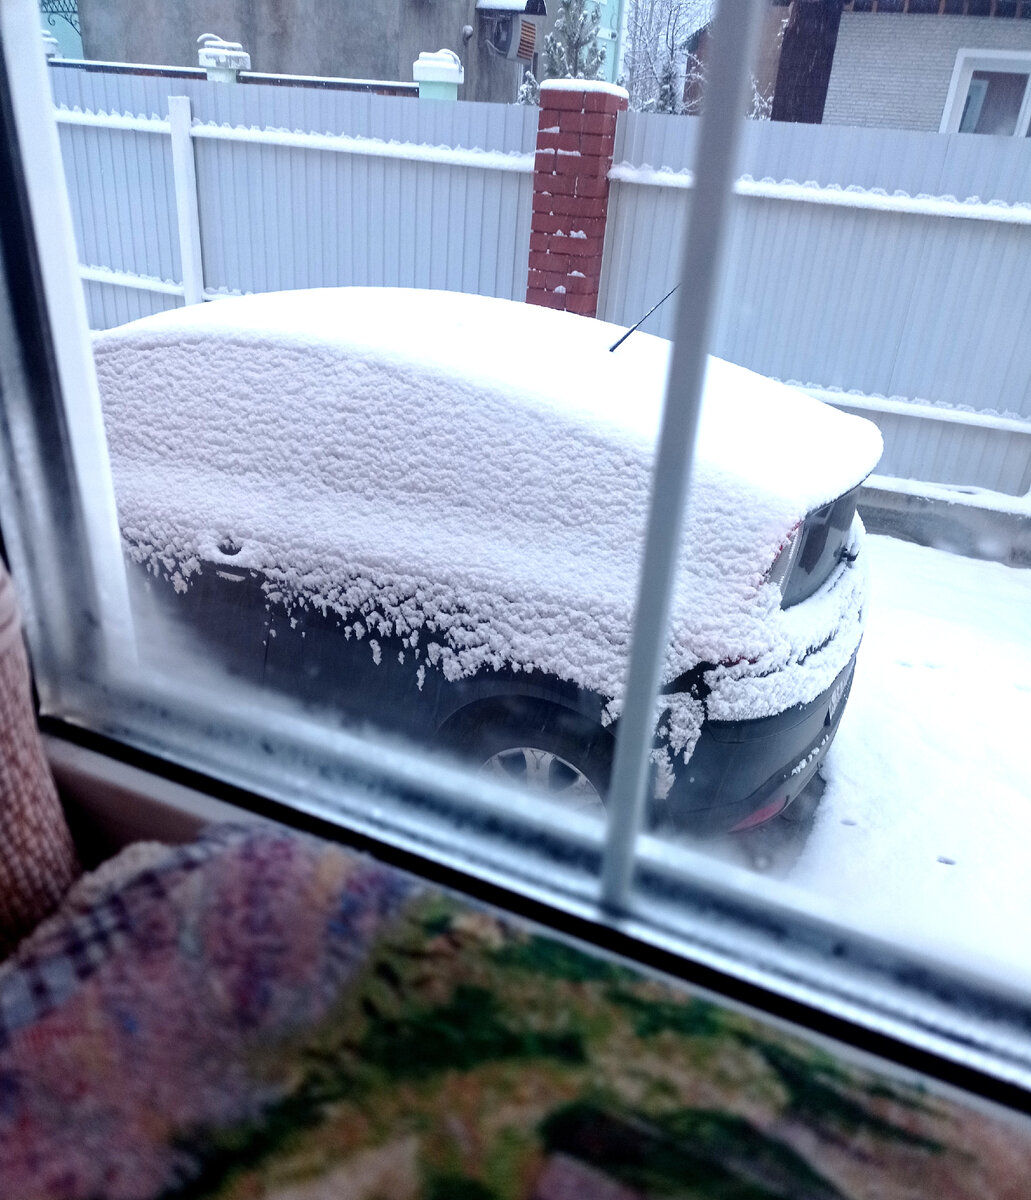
(850, 268)
(294, 187)
(891, 264)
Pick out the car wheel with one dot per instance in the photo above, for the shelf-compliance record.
(554, 753)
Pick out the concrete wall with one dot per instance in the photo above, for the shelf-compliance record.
(359, 39)
(893, 70)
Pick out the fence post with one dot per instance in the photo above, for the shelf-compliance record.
(438, 75)
(576, 137)
(187, 209)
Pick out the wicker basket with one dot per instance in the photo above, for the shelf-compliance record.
(37, 857)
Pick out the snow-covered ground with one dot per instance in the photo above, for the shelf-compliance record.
(924, 832)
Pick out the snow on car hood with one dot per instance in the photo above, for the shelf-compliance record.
(473, 474)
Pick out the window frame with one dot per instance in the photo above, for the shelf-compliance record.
(731, 934)
(1015, 62)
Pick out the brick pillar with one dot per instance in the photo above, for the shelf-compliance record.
(576, 135)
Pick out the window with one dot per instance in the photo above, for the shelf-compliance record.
(993, 102)
(989, 93)
(110, 662)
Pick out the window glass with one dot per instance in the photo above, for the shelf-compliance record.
(852, 285)
(993, 102)
(387, 506)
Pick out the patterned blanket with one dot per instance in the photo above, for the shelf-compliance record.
(262, 1014)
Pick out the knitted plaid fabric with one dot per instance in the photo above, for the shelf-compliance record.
(37, 858)
(165, 1010)
(260, 1014)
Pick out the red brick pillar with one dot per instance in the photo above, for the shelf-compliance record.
(576, 136)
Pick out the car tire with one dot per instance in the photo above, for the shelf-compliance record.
(551, 750)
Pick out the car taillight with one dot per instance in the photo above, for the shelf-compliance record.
(766, 813)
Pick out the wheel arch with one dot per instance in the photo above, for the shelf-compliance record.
(519, 694)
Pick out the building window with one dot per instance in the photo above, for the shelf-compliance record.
(989, 93)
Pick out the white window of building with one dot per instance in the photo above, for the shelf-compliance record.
(990, 92)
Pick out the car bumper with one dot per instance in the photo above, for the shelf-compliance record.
(742, 773)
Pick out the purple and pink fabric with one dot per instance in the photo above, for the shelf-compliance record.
(142, 1015)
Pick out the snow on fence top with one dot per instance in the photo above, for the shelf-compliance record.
(584, 85)
(475, 472)
(834, 195)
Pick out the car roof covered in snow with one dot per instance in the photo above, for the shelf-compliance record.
(479, 468)
(775, 436)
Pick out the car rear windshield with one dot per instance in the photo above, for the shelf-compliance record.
(825, 535)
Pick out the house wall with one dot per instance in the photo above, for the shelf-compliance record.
(806, 58)
(373, 39)
(765, 67)
(893, 70)
(771, 42)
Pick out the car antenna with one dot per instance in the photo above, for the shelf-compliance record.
(633, 328)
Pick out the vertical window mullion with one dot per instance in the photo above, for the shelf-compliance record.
(734, 36)
(92, 570)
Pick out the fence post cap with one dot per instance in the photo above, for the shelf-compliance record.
(440, 66)
(215, 52)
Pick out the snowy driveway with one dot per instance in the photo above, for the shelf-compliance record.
(924, 833)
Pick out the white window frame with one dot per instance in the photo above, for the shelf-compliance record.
(1016, 62)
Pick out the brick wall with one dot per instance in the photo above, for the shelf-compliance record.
(893, 70)
(576, 134)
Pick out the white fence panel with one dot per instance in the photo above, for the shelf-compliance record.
(900, 268)
(862, 263)
(295, 187)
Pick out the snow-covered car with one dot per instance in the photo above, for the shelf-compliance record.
(425, 511)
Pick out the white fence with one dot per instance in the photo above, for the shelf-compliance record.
(185, 189)
(888, 265)
(887, 271)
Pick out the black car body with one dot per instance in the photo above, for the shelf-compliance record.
(423, 512)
